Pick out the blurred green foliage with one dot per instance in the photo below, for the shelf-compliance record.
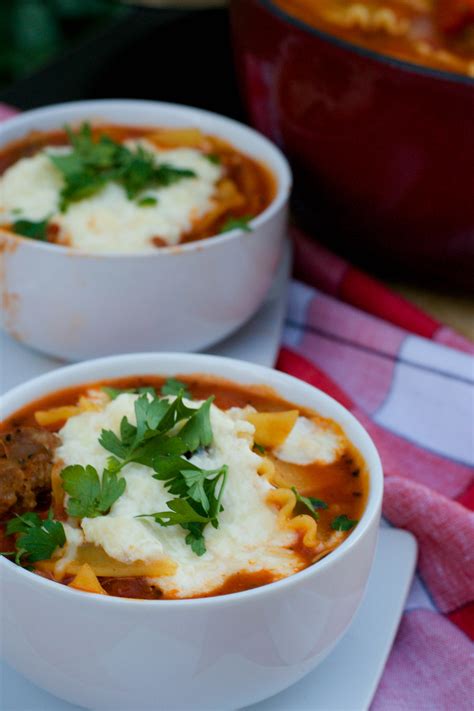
(33, 32)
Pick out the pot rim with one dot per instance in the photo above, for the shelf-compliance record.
(393, 62)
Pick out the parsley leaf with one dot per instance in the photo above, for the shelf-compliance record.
(184, 478)
(183, 514)
(180, 512)
(90, 497)
(21, 524)
(309, 503)
(343, 523)
(237, 223)
(167, 174)
(92, 163)
(195, 483)
(34, 230)
(200, 492)
(201, 487)
(147, 201)
(195, 538)
(38, 538)
(259, 448)
(197, 431)
(213, 158)
(175, 387)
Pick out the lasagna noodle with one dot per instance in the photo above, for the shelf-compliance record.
(266, 469)
(64, 412)
(272, 428)
(105, 566)
(303, 524)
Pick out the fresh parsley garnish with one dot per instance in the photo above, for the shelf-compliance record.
(38, 538)
(90, 496)
(148, 439)
(174, 387)
(92, 164)
(259, 448)
(310, 503)
(199, 503)
(197, 491)
(197, 431)
(213, 158)
(237, 223)
(343, 523)
(34, 230)
(147, 201)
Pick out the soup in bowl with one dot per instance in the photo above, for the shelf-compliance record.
(218, 514)
(131, 225)
(112, 188)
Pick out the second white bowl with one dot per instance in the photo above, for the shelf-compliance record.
(75, 306)
(204, 654)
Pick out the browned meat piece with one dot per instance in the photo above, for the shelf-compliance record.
(130, 587)
(26, 459)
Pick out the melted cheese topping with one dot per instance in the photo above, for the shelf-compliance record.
(74, 538)
(310, 441)
(108, 221)
(249, 537)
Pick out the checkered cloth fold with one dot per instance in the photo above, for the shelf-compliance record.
(409, 380)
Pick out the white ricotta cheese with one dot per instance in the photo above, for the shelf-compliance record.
(74, 538)
(108, 221)
(29, 190)
(310, 442)
(248, 538)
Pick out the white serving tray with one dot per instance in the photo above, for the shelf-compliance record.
(348, 678)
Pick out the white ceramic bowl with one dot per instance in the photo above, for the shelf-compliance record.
(75, 305)
(211, 653)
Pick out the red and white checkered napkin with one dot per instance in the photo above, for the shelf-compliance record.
(390, 364)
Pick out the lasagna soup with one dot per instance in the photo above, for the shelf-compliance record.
(153, 489)
(434, 33)
(128, 189)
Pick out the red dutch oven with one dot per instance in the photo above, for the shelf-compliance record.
(382, 149)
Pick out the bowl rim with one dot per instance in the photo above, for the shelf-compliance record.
(394, 62)
(131, 363)
(281, 172)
